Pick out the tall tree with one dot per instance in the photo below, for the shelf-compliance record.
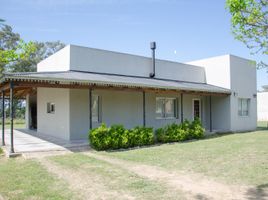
(250, 24)
(19, 56)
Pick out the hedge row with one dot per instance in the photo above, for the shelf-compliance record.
(117, 137)
(180, 132)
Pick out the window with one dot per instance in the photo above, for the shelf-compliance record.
(166, 107)
(50, 108)
(196, 108)
(243, 106)
(95, 108)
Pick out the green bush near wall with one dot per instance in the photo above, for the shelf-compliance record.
(180, 132)
(117, 137)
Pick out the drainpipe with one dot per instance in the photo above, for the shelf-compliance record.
(153, 47)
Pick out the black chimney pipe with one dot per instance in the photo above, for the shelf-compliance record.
(153, 47)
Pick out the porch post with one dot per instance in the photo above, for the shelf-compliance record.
(11, 118)
(181, 107)
(3, 118)
(210, 115)
(90, 108)
(143, 107)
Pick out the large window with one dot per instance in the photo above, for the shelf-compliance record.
(166, 108)
(243, 106)
(96, 108)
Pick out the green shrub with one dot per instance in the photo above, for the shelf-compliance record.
(184, 131)
(116, 137)
(196, 129)
(140, 136)
(99, 137)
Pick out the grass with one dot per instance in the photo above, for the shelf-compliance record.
(116, 178)
(18, 124)
(234, 158)
(27, 179)
(262, 125)
(240, 158)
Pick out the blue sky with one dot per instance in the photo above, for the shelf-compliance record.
(184, 30)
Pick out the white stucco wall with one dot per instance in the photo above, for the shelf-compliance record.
(123, 107)
(79, 118)
(57, 124)
(60, 61)
(262, 99)
(244, 84)
(120, 107)
(71, 118)
(239, 75)
(217, 70)
(79, 58)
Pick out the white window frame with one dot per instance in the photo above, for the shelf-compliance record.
(200, 105)
(50, 108)
(96, 119)
(248, 107)
(175, 107)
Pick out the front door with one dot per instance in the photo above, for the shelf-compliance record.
(196, 108)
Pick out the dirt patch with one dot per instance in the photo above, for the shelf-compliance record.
(197, 186)
(83, 185)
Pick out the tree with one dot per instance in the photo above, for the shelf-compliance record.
(250, 24)
(19, 56)
(41, 51)
(13, 48)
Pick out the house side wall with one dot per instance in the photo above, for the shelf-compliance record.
(79, 114)
(120, 107)
(126, 108)
(221, 112)
(60, 61)
(243, 83)
(262, 100)
(56, 124)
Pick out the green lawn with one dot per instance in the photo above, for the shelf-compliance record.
(115, 178)
(240, 158)
(263, 125)
(18, 124)
(27, 179)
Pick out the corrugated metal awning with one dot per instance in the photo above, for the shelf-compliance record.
(101, 79)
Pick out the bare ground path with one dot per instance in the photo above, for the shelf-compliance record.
(83, 185)
(197, 186)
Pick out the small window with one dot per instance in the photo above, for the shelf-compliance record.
(166, 108)
(51, 108)
(96, 108)
(196, 108)
(243, 106)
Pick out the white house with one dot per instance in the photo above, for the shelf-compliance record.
(78, 88)
(262, 104)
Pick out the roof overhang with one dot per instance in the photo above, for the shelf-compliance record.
(86, 80)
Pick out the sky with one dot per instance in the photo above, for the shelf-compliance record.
(184, 30)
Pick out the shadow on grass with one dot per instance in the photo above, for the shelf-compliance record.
(258, 193)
